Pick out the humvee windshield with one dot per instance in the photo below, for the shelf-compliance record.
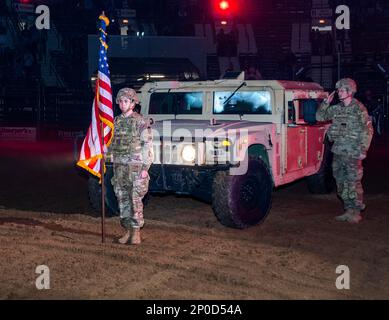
(176, 103)
(243, 102)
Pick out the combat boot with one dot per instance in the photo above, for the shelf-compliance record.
(125, 238)
(135, 236)
(355, 217)
(345, 216)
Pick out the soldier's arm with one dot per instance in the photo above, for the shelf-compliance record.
(147, 144)
(367, 130)
(325, 111)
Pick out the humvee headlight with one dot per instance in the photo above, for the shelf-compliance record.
(188, 153)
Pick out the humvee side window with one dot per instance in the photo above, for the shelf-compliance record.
(176, 103)
(308, 109)
(305, 109)
(242, 102)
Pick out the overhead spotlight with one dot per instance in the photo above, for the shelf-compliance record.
(224, 5)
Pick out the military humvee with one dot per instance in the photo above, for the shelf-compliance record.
(230, 142)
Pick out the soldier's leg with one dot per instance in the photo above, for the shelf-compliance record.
(354, 182)
(355, 190)
(359, 188)
(121, 185)
(140, 188)
(340, 174)
(338, 170)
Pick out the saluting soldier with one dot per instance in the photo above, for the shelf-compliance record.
(351, 132)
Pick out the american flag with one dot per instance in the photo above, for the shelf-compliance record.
(94, 146)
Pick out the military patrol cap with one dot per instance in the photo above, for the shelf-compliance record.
(348, 84)
(128, 93)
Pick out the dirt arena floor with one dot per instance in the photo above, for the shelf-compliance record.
(45, 219)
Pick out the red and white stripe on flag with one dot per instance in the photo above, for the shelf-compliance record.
(95, 144)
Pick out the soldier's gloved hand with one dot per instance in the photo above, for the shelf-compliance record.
(108, 157)
(330, 97)
(143, 174)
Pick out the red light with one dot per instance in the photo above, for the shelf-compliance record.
(225, 9)
(224, 5)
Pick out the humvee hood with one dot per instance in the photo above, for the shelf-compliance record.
(201, 128)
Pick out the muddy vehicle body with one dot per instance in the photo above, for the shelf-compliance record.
(230, 142)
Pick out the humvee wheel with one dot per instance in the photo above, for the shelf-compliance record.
(323, 182)
(241, 201)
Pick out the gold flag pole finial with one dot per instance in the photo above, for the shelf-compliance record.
(105, 18)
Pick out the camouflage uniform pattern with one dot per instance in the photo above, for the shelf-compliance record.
(348, 174)
(131, 152)
(351, 132)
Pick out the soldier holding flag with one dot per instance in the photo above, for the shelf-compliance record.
(131, 149)
(131, 153)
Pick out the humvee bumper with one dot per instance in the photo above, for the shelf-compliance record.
(190, 180)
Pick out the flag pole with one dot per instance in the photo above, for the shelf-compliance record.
(102, 183)
(102, 190)
(96, 142)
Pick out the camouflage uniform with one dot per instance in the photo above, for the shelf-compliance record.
(131, 152)
(351, 132)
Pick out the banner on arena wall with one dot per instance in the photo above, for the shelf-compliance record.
(17, 133)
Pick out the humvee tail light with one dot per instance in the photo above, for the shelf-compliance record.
(188, 153)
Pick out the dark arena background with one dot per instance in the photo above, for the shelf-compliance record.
(48, 69)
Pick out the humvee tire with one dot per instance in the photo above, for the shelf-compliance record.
(323, 181)
(242, 201)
